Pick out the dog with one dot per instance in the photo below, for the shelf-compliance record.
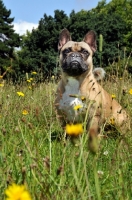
(78, 82)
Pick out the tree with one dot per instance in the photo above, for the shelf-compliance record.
(39, 49)
(122, 8)
(8, 38)
(114, 23)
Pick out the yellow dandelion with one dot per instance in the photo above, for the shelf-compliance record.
(29, 81)
(24, 112)
(1, 85)
(113, 96)
(1, 76)
(83, 98)
(20, 94)
(34, 73)
(29, 87)
(130, 91)
(77, 107)
(112, 121)
(74, 129)
(17, 192)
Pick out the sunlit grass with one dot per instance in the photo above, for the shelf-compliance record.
(34, 151)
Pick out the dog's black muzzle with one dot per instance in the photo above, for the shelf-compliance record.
(74, 64)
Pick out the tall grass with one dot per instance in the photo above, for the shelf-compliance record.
(34, 151)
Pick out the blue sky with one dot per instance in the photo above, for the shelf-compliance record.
(27, 13)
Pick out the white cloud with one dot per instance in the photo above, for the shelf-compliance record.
(22, 26)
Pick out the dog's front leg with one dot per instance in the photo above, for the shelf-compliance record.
(93, 132)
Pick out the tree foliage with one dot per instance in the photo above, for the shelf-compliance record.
(39, 49)
(8, 38)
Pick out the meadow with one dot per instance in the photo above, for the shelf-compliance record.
(34, 151)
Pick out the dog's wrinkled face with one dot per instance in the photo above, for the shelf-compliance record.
(76, 57)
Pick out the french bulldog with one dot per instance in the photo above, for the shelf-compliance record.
(78, 86)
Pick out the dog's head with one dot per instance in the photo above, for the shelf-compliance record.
(76, 57)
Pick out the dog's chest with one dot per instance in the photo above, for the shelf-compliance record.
(71, 103)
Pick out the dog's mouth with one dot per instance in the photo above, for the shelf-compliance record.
(74, 68)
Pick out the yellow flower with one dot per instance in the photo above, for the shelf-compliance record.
(20, 94)
(77, 107)
(29, 87)
(130, 91)
(83, 98)
(29, 81)
(1, 76)
(113, 96)
(34, 72)
(1, 85)
(24, 112)
(52, 77)
(74, 129)
(112, 121)
(17, 192)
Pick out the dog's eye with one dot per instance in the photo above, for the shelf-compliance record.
(85, 52)
(66, 51)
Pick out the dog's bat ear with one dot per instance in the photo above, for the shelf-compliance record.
(90, 39)
(63, 38)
